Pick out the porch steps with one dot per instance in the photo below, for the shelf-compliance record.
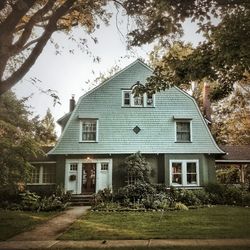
(81, 199)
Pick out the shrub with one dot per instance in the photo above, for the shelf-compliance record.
(216, 193)
(103, 196)
(187, 197)
(29, 201)
(180, 206)
(202, 196)
(135, 192)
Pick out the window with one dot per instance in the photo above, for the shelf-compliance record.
(89, 130)
(184, 172)
(150, 99)
(129, 100)
(43, 174)
(183, 131)
(49, 174)
(104, 166)
(73, 166)
(126, 98)
(138, 101)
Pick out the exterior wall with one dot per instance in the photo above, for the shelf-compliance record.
(206, 166)
(159, 165)
(116, 123)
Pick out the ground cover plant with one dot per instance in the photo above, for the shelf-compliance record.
(202, 223)
(14, 222)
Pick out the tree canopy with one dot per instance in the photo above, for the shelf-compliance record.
(223, 57)
(21, 138)
(27, 25)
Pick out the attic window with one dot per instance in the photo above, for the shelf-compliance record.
(136, 129)
(130, 100)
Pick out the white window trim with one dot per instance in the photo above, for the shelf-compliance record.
(40, 179)
(184, 173)
(132, 104)
(191, 130)
(97, 130)
(123, 94)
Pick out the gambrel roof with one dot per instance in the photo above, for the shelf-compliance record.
(116, 123)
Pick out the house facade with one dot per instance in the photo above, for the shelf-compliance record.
(109, 123)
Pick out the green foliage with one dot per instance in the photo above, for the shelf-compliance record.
(103, 196)
(17, 143)
(137, 167)
(229, 175)
(134, 193)
(44, 129)
(223, 57)
(30, 201)
(145, 196)
(180, 206)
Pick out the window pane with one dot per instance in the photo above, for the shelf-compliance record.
(191, 173)
(149, 99)
(138, 100)
(35, 174)
(89, 130)
(126, 98)
(191, 167)
(49, 174)
(176, 173)
(73, 166)
(104, 166)
(191, 179)
(183, 131)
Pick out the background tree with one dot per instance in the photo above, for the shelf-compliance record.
(231, 118)
(44, 129)
(17, 143)
(224, 56)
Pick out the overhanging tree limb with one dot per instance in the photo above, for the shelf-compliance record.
(24, 68)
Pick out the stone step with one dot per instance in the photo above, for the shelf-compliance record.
(81, 200)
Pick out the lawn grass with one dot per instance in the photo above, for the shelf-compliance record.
(168, 248)
(204, 223)
(14, 222)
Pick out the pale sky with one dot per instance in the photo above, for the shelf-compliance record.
(67, 73)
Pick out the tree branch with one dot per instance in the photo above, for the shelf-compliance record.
(29, 27)
(50, 28)
(20, 8)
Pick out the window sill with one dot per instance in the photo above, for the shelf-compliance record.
(183, 141)
(88, 141)
(40, 184)
(138, 107)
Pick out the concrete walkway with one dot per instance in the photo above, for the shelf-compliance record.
(53, 228)
(54, 244)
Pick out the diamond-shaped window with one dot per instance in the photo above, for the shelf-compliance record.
(136, 129)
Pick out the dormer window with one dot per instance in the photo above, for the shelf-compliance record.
(129, 100)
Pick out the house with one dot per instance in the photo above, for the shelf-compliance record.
(109, 123)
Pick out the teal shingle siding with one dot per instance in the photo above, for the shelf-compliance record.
(116, 123)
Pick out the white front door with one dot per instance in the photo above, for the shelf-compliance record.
(74, 179)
